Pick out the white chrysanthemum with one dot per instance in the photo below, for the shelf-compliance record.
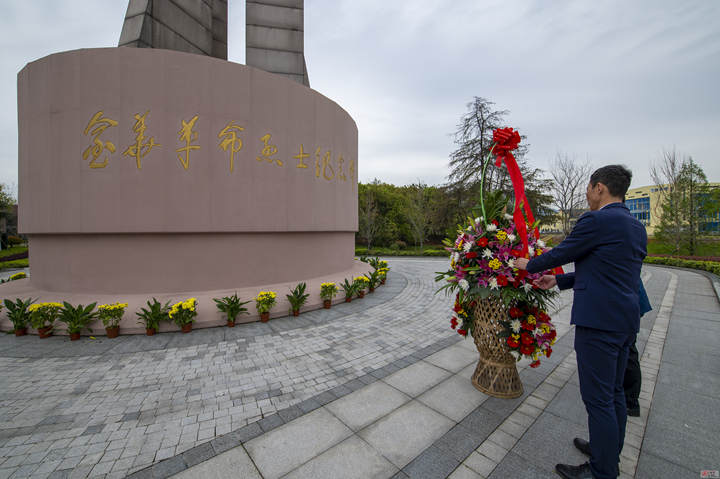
(491, 227)
(487, 253)
(493, 283)
(531, 252)
(511, 238)
(515, 325)
(515, 354)
(467, 246)
(511, 262)
(477, 221)
(541, 244)
(464, 285)
(527, 287)
(508, 217)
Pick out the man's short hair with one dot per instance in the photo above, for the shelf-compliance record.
(616, 177)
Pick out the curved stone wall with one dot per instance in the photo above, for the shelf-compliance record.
(144, 170)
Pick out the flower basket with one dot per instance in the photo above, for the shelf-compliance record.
(496, 373)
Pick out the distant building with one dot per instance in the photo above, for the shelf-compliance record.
(644, 204)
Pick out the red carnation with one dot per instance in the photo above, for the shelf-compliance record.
(457, 307)
(527, 326)
(526, 339)
(462, 332)
(482, 242)
(527, 349)
(548, 351)
(535, 364)
(502, 281)
(512, 342)
(453, 322)
(471, 255)
(495, 222)
(515, 312)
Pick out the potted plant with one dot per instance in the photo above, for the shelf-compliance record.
(152, 316)
(361, 283)
(373, 280)
(327, 292)
(111, 314)
(231, 306)
(76, 318)
(349, 288)
(264, 302)
(43, 316)
(297, 298)
(183, 314)
(19, 315)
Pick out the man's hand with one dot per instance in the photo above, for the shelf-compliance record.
(521, 263)
(546, 281)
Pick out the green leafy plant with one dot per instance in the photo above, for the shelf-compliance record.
(297, 297)
(77, 318)
(183, 312)
(349, 287)
(155, 312)
(111, 314)
(328, 291)
(373, 279)
(16, 276)
(231, 306)
(18, 312)
(43, 315)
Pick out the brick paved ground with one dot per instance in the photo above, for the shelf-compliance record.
(381, 383)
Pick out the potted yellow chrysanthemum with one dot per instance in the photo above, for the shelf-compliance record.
(183, 314)
(111, 314)
(264, 302)
(327, 292)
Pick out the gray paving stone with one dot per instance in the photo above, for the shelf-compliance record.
(417, 378)
(366, 405)
(516, 466)
(535, 448)
(198, 454)
(650, 465)
(168, 467)
(432, 463)
(455, 397)
(459, 442)
(271, 422)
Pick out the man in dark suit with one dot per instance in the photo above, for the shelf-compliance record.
(607, 246)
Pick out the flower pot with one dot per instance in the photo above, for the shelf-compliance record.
(371, 289)
(361, 294)
(150, 331)
(348, 299)
(231, 324)
(74, 336)
(296, 312)
(382, 281)
(112, 332)
(327, 303)
(45, 332)
(186, 328)
(21, 332)
(265, 317)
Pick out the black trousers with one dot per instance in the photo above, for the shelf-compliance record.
(633, 378)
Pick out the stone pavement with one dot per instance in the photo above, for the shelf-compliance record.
(375, 388)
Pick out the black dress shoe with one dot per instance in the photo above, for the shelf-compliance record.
(633, 411)
(582, 445)
(574, 472)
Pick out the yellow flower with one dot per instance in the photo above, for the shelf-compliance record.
(538, 252)
(495, 263)
(501, 235)
(531, 319)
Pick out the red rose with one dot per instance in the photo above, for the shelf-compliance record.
(502, 281)
(495, 222)
(471, 255)
(512, 342)
(535, 364)
(482, 242)
(462, 332)
(527, 349)
(515, 312)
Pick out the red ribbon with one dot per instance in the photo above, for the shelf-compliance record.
(506, 140)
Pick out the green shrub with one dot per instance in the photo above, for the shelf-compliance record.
(155, 313)
(711, 266)
(297, 297)
(231, 306)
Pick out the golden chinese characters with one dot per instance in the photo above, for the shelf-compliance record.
(268, 151)
(95, 127)
(139, 149)
(188, 136)
(231, 140)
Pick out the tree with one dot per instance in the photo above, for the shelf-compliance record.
(367, 215)
(686, 201)
(417, 212)
(568, 182)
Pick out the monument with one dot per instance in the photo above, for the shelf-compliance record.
(165, 170)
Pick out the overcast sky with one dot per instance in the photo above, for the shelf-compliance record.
(613, 81)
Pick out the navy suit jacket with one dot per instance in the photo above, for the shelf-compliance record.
(608, 247)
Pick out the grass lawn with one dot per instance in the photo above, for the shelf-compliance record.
(705, 247)
(13, 250)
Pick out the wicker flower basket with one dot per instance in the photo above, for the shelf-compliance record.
(496, 374)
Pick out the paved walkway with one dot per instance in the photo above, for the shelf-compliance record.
(375, 388)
